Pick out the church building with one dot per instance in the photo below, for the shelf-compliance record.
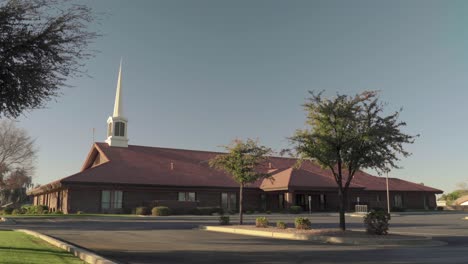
(117, 177)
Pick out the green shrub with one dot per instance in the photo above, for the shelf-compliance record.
(302, 223)
(35, 209)
(248, 212)
(398, 209)
(8, 210)
(79, 212)
(42, 209)
(295, 209)
(58, 212)
(207, 211)
(377, 222)
(280, 225)
(161, 211)
(261, 222)
(440, 208)
(17, 211)
(268, 212)
(224, 220)
(142, 210)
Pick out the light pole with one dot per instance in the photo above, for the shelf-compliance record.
(388, 197)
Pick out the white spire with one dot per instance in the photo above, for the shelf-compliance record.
(117, 123)
(118, 108)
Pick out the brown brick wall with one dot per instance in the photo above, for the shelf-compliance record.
(88, 198)
(85, 200)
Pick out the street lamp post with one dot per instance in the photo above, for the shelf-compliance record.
(388, 197)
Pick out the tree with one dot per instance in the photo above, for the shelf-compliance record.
(348, 134)
(243, 162)
(42, 43)
(17, 157)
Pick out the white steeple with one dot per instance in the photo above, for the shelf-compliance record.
(117, 123)
(118, 108)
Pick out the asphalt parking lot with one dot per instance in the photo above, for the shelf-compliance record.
(177, 240)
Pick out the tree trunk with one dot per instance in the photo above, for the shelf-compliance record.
(342, 201)
(241, 215)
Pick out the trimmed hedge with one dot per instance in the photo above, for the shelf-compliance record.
(295, 209)
(8, 210)
(280, 225)
(377, 222)
(261, 222)
(35, 209)
(142, 210)
(207, 211)
(302, 223)
(161, 211)
(224, 220)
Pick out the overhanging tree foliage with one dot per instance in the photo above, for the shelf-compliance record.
(17, 157)
(42, 43)
(348, 134)
(242, 161)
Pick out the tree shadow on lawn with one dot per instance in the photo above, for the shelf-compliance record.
(56, 252)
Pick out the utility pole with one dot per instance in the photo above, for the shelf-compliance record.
(388, 197)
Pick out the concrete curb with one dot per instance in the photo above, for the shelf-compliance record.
(83, 254)
(362, 215)
(326, 239)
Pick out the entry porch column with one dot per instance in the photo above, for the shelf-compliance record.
(289, 199)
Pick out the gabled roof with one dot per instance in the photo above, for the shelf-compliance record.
(140, 165)
(373, 183)
(300, 178)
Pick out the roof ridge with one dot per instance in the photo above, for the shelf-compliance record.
(204, 151)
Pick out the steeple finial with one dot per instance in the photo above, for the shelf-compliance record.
(118, 108)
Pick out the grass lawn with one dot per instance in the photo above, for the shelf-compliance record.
(66, 215)
(20, 248)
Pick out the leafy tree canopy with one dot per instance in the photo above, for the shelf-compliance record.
(242, 160)
(42, 43)
(348, 134)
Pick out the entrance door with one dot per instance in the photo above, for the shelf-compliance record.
(317, 202)
(229, 201)
(301, 200)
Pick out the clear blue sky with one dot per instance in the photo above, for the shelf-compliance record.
(197, 74)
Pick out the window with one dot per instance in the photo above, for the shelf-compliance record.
(378, 198)
(105, 199)
(281, 201)
(117, 201)
(111, 199)
(187, 197)
(398, 201)
(119, 129)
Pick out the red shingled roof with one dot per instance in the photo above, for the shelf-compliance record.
(142, 165)
(300, 178)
